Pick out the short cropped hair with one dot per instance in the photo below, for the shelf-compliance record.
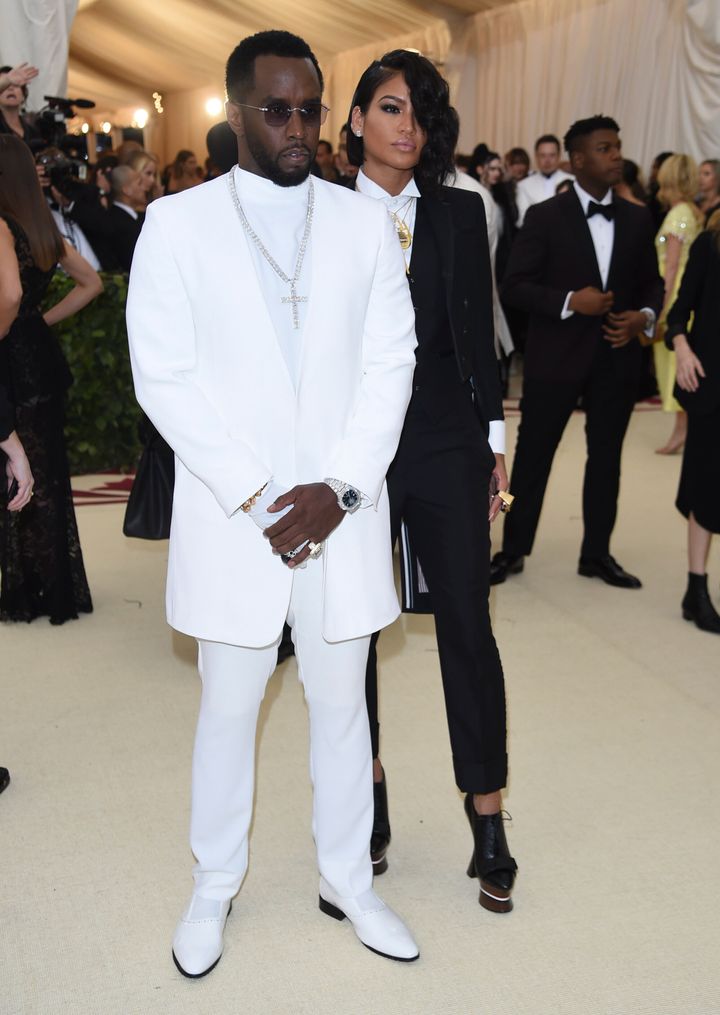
(548, 139)
(240, 69)
(430, 97)
(583, 128)
(327, 145)
(119, 177)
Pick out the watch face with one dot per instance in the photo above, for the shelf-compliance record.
(350, 499)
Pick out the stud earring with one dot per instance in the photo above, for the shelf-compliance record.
(358, 133)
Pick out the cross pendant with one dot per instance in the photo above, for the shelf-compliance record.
(294, 299)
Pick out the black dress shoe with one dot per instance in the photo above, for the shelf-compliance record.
(381, 828)
(696, 606)
(4, 779)
(504, 564)
(609, 570)
(491, 861)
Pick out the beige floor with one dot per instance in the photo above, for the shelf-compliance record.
(614, 707)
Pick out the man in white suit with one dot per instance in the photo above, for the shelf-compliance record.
(272, 344)
(541, 185)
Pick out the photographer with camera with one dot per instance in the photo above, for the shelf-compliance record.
(73, 202)
(13, 93)
(63, 189)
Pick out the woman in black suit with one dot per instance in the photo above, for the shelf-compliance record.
(451, 452)
(697, 388)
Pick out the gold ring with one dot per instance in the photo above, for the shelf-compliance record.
(315, 549)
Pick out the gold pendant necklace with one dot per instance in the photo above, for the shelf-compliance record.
(401, 226)
(403, 231)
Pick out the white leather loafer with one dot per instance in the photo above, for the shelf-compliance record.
(198, 941)
(378, 927)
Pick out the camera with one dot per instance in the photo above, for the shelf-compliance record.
(51, 120)
(64, 173)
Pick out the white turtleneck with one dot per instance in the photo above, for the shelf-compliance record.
(277, 214)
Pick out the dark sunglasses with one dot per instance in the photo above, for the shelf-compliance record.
(277, 114)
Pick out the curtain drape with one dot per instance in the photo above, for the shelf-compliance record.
(536, 66)
(38, 32)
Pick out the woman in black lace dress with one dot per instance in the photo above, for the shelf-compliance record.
(41, 565)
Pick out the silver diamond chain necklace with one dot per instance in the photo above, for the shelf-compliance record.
(293, 298)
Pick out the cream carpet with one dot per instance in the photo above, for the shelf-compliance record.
(614, 707)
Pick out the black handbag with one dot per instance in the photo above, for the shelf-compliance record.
(149, 507)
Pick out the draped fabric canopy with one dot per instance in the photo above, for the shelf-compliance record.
(517, 68)
(536, 66)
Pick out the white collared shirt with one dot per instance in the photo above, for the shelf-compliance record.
(602, 230)
(404, 205)
(126, 207)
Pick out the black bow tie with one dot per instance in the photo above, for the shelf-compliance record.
(601, 209)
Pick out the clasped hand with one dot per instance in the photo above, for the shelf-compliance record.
(315, 513)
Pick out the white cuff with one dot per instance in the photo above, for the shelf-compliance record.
(496, 436)
(652, 321)
(566, 311)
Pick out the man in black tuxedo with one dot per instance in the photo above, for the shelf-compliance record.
(584, 268)
(124, 221)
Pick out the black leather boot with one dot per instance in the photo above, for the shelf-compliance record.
(697, 605)
(491, 861)
(381, 828)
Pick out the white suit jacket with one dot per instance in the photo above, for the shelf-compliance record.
(209, 373)
(533, 189)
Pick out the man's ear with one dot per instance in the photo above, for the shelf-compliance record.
(234, 115)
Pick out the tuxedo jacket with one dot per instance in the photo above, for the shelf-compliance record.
(699, 295)
(210, 374)
(123, 232)
(457, 220)
(553, 254)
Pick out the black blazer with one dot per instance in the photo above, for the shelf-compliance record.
(554, 254)
(458, 222)
(699, 293)
(124, 233)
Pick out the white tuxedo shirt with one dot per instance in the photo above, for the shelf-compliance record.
(209, 373)
(536, 188)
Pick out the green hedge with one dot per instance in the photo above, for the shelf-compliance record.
(102, 414)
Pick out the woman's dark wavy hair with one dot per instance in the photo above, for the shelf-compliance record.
(430, 96)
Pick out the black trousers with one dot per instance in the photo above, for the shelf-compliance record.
(608, 400)
(438, 483)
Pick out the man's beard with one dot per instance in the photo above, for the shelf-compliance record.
(272, 170)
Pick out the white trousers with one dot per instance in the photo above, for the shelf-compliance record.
(233, 685)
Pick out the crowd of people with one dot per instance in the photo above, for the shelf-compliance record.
(296, 475)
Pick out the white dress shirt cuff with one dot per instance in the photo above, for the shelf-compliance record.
(652, 320)
(566, 311)
(496, 436)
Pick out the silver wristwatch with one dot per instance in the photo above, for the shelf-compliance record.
(347, 496)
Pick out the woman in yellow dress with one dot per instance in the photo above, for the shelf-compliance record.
(678, 180)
